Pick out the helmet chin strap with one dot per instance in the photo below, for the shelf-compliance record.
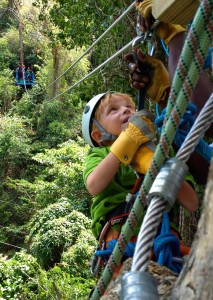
(105, 135)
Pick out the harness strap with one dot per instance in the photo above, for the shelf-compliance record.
(121, 212)
(116, 216)
(137, 184)
(115, 220)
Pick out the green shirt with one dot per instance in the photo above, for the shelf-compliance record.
(114, 194)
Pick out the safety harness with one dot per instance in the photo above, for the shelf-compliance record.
(168, 247)
(116, 217)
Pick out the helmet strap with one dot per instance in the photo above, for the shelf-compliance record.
(105, 135)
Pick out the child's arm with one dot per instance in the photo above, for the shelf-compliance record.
(102, 175)
(187, 197)
(139, 130)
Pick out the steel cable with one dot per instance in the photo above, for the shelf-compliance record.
(95, 43)
(153, 216)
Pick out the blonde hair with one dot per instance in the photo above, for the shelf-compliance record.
(105, 101)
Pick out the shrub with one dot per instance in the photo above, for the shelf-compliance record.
(55, 236)
(19, 277)
(76, 260)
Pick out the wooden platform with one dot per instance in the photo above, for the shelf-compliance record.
(175, 11)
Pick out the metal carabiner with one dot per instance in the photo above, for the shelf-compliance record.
(96, 260)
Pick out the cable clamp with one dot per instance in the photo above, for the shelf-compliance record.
(168, 181)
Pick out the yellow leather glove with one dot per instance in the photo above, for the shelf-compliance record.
(145, 8)
(143, 158)
(159, 85)
(165, 31)
(140, 130)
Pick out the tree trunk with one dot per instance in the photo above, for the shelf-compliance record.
(55, 52)
(195, 282)
(20, 29)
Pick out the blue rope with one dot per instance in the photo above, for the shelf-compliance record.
(208, 60)
(167, 246)
(129, 251)
(164, 47)
(203, 149)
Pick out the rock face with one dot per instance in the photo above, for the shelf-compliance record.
(165, 280)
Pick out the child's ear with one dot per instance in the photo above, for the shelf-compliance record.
(96, 135)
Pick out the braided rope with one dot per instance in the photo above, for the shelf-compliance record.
(200, 126)
(157, 206)
(176, 106)
(202, 18)
(147, 233)
(180, 94)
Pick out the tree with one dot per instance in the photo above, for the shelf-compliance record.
(77, 25)
(8, 90)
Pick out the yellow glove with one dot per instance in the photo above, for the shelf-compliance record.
(165, 31)
(140, 130)
(159, 85)
(143, 158)
(145, 8)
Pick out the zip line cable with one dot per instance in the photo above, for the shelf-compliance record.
(94, 44)
(11, 245)
(99, 67)
(95, 70)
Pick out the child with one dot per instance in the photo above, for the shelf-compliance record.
(118, 135)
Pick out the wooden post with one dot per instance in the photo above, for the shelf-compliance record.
(175, 11)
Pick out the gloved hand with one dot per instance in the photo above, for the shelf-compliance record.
(145, 8)
(143, 157)
(157, 89)
(140, 130)
(165, 31)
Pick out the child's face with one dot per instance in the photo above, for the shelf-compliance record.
(116, 113)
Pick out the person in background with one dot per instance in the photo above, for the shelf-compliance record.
(157, 84)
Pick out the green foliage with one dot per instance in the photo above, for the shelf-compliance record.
(51, 126)
(14, 145)
(94, 18)
(6, 56)
(61, 177)
(76, 259)
(52, 122)
(7, 90)
(65, 287)
(18, 277)
(51, 212)
(55, 235)
(21, 277)
(85, 26)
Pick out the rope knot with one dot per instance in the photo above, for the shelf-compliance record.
(167, 246)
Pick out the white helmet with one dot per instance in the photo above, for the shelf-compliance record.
(86, 121)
